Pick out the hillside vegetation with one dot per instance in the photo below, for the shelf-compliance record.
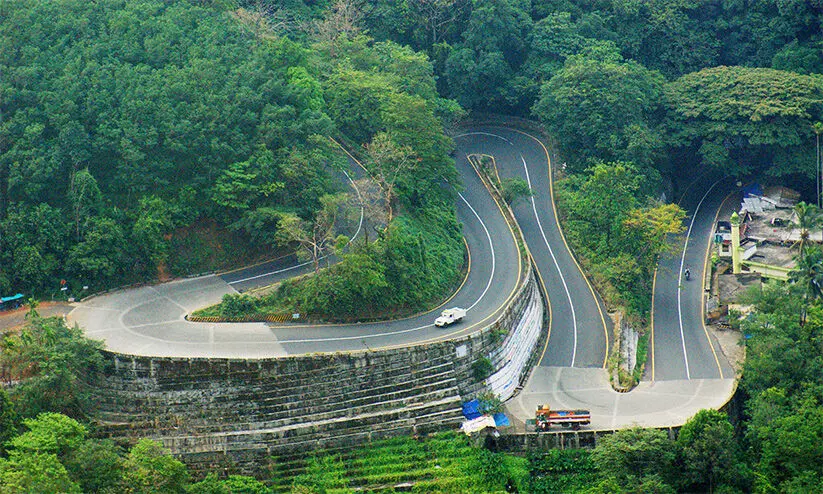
(142, 139)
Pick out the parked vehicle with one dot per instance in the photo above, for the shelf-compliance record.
(450, 316)
(545, 417)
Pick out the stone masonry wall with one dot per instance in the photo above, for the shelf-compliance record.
(235, 414)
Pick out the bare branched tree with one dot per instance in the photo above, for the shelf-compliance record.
(314, 239)
(371, 199)
(343, 19)
(437, 15)
(387, 162)
(267, 20)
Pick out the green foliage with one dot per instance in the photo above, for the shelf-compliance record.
(35, 473)
(96, 465)
(782, 376)
(238, 305)
(561, 471)
(111, 109)
(210, 485)
(631, 455)
(490, 403)
(53, 361)
(413, 263)
(441, 463)
(50, 432)
(482, 368)
(709, 454)
(603, 107)
(322, 474)
(150, 469)
(514, 189)
(234, 484)
(8, 419)
(617, 232)
(641, 356)
(740, 119)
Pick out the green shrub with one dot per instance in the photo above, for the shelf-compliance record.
(482, 368)
(238, 305)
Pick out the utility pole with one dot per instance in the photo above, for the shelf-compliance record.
(817, 127)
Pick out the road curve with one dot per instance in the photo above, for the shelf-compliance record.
(570, 373)
(579, 334)
(150, 320)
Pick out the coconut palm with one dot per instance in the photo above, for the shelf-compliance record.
(809, 275)
(808, 216)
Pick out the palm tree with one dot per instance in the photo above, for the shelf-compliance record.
(809, 274)
(808, 216)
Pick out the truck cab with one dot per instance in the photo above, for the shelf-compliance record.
(450, 316)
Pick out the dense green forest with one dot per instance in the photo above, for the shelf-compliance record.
(146, 138)
(141, 139)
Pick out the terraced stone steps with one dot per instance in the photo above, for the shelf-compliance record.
(267, 387)
(331, 433)
(195, 423)
(257, 409)
(182, 376)
(291, 402)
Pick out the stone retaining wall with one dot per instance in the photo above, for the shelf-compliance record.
(235, 414)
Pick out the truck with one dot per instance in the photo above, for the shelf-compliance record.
(545, 417)
(450, 316)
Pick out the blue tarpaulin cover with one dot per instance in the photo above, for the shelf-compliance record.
(471, 409)
(500, 420)
(13, 297)
(752, 189)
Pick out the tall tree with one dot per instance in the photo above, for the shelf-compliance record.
(745, 120)
(317, 238)
(809, 274)
(150, 469)
(387, 163)
(84, 197)
(601, 106)
(808, 217)
(709, 453)
(632, 454)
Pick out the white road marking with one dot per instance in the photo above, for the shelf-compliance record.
(545, 239)
(680, 273)
(554, 259)
(402, 331)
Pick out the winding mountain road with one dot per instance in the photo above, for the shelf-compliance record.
(688, 372)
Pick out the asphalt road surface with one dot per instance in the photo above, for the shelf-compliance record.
(681, 347)
(579, 331)
(151, 320)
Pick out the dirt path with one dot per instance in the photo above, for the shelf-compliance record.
(16, 318)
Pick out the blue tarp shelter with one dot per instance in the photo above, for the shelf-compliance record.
(471, 409)
(11, 302)
(500, 420)
(18, 296)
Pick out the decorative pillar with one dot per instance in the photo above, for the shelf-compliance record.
(735, 221)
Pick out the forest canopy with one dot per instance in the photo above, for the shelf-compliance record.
(142, 139)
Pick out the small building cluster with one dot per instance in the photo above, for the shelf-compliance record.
(757, 241)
